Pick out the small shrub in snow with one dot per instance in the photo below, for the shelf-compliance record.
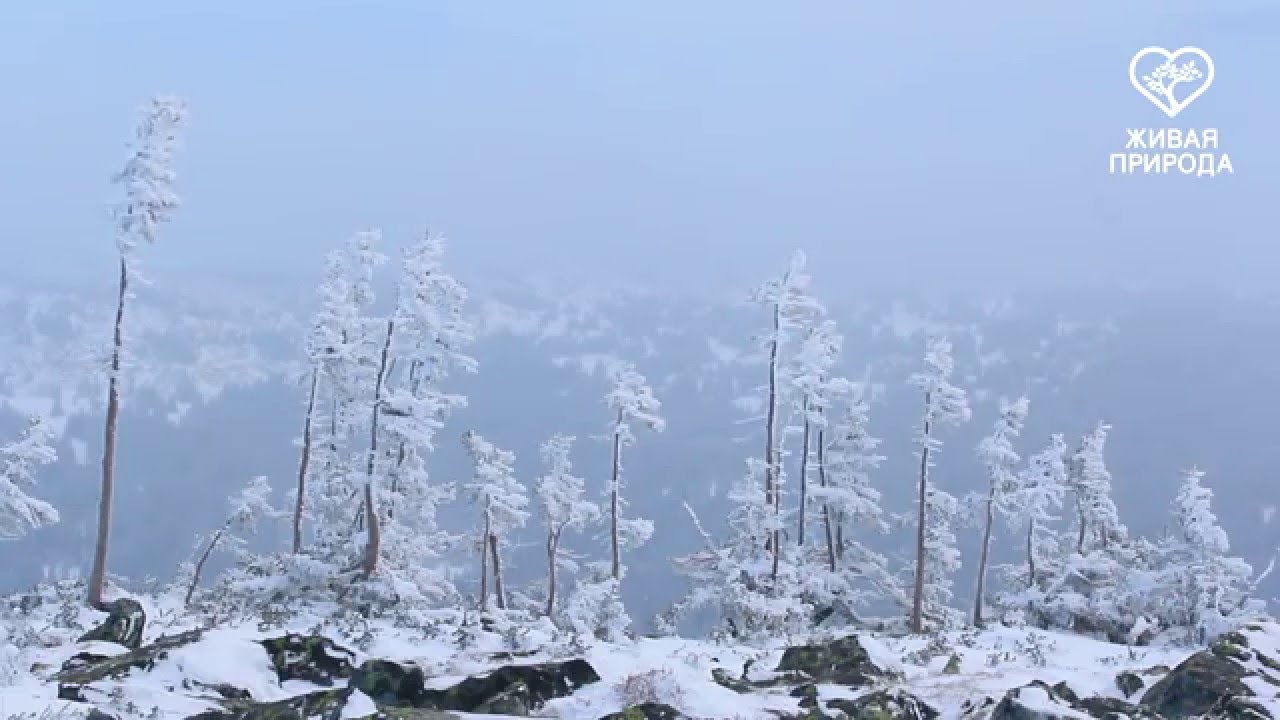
(659, 685)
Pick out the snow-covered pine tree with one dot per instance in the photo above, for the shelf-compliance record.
(630, 400)
(1001, 462)
(431, 334)
(846, 459)
(247, 507)
(149, 200)
(812, 388)
(1037, 493)
(1209, 591)
(936, 554)
(503, 504)
(1090, 481)
(560, 493)
(791, 309)
(19, 512)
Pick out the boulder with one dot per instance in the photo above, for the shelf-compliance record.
(1035, 701)
(322, 705)
(646, 711)
(123, 626)
(1200, 684)
(1107, 708)
(390, 683)
(723, 679)
(312, 658)
(509, 690)
(89, 667)
(1130, 683)
(884, 705)
(841, 662)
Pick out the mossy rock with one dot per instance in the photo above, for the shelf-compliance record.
(1130, 683)
(322, 705)
(884, 705)
(1108, 708)
(808, 694)
(1205, 681)
(840, 662)
(646, 711)
(124, 624)
(313, 658)
(86, 667)
(509, 690)
(390, 683)
(953, 665)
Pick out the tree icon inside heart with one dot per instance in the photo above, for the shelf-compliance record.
(1164, 83)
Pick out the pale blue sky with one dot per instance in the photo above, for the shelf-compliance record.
(965, 144)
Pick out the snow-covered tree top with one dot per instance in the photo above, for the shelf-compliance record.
(1193, 511)
(560, 491)
(19, 512)
(945, 403)
(631, 399)
(148, 176)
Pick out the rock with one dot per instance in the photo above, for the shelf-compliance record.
(87, 667)
(123, 626)
(96, 714)
(322, 705)
(390, 683)
(841, 662)
(721, 678)
(1200, 684)
(1035, 701)
(313, 658)
(1063, 691)
(1106, 708)
(1130, 683)
(510, 690)
(953, 665)
(884, 705)
(646, 711)
(413, 714)
(808, 694)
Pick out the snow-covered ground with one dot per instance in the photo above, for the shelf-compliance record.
(945, 670)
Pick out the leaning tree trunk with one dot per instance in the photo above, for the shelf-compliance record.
(982, 561)
(553, 549)
(97, 576)
(1031, 556)
(771, 491)
(804, 474)
(615, 509)
(204, 557)
(484, 562)
(826, 505)
(917, 599)
(373, 545)
(498, 590)
(304, 463)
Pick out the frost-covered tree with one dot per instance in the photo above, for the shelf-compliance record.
(1036, 495)
(812, 387)
(149, 200)
(1001, 461)
(251, 504)
(1090, 482)
(936, 555)
(560, 493)
(846, 460)
(503, 505)
(791, 309)
(1209, 590)
(19, 512)
(630, 401)
(431, 335)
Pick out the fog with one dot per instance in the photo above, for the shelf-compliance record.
(679, 144)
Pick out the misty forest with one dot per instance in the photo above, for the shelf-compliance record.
(394, 495)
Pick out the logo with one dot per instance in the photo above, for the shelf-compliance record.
(1168, 79)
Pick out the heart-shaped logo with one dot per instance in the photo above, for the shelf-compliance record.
(1163, 82)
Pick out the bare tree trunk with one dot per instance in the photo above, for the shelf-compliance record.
(982, 561)
(1083, 526)
(204, 557)
(553, 549)
(373, 545)
(1031, 556)
(917, 600)
(97, 576)
(770, 430)
(498, 588)
(804, 475)
(484, 562)
(614, 501)
(826, 506)
(304, 463)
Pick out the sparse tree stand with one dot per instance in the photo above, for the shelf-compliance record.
(373, 543)
(149, 200)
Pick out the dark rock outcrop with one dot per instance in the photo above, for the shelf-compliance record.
(841, 662)
(1203, 682)
(1130, 683)
(510, 690)
(312, 658)
(86, 667)
(885, 705)
(124, 624)
(390, 683)
(322, 705)
(646, 711)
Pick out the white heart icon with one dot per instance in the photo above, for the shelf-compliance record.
(1160, 85)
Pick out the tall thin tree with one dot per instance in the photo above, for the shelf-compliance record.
(1001, 461)
(149, 200)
